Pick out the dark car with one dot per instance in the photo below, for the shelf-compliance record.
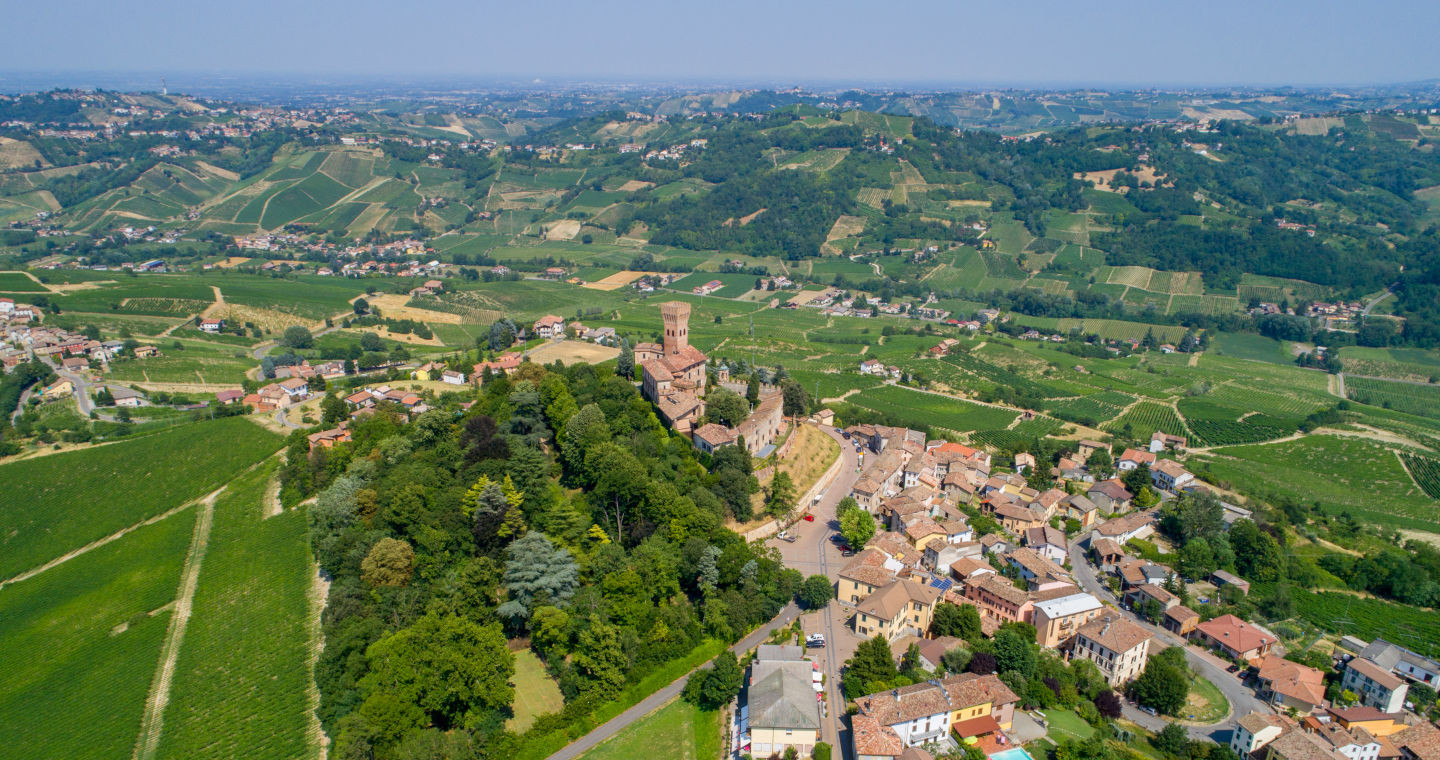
(847, 436)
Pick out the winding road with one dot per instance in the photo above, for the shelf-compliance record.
(1242, 699)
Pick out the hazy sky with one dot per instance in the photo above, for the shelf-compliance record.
(960, 41)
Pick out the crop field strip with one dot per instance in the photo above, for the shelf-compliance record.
(1422, 400)
(1425, 471)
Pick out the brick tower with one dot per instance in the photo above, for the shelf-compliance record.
(677, 326)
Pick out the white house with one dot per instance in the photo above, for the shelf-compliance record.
(452, 377)
(1169, 475)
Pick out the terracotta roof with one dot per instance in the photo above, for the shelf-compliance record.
(1114, 632)
(1001, 587)
(1256, 722)
(1180, 613)
(890, 600)
(904, 704)
(1169, 467)
(968, 689)
(1375, 673)
(1112, 488)
(1421, 740)
(868, 567)
(1301, 745)
(1235, 633)
(871, 738)
(1294, 680)
(1106, 547)
(1137, 456)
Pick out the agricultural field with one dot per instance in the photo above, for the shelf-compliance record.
(924, 409)
(50, 502)
(1146, 417)
(1411, 364)
(81, 640)
(15, 282)
(1339, 473)
(241, 679)
(734, 284)
(1425, 471)
(1422, 400)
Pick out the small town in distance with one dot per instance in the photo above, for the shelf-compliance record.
(949, 382)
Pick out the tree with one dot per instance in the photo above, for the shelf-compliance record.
(537, 571)
(369, 341)
(296, 336)
(1196, 560)
(1164, 684)
(982, 663)
(856, 525)
(1172, 739)
(333, 410)
(1108, 704)
(501, 335)
(1013, 652)
(600, 660)
(870, 668)
(1100, 462)
(821, 751)
(1137, 479)
(712, 688)
(452, 668)
(816, 592)
(361, 306)
(725, 407)
(796, 401)
(780, 502)
(390, 562)
(625, 364)
(958, 620)
(1257, 554)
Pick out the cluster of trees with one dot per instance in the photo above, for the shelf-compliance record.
(556, 508)
(1405, 574)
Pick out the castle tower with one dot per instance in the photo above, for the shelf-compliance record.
(677, 326)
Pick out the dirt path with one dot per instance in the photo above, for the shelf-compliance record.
(96, 544)
(1194, 357)
(319, 592)
(841, 397)
(153, 721)
(272, 494)
(214, 309)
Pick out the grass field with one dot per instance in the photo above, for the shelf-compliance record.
(1205, 704)
(80, 642)
(677, 731)
(1422, 400)
(535, 692)
(55, 504)
(14, 282)
(239, 687)
(1065, 724)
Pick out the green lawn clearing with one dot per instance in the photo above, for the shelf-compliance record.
(535, 692)
(677, 731)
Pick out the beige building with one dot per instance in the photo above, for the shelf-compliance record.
(783, 710)
(1057, 620)
(1117, 646)
(898, 609)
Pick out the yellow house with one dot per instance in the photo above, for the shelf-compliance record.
(974, 698)
(866, 573)
(783, 709)
(61, 388)
(428, 371)
(899, 609)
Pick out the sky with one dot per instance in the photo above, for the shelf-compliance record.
(944, 43)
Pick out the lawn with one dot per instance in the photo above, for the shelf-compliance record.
(677, 731)
(57, 503)
(1065, 724)
(535, 692)
(239, 687)
(80, 643)
(1205, 704)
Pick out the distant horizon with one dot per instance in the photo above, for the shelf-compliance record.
(928, 44)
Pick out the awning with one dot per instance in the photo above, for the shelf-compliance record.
(981, 726)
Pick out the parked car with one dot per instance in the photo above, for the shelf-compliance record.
(846, 435)
(786, 535)
(808, 517)
(815, 640)
(847, 552)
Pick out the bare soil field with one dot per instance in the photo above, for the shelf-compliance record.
(565, 229)
(392, 305)
(573, 352)
(635, 184)
(232, 262)
(617, 280)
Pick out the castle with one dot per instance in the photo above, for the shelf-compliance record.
(674, 379)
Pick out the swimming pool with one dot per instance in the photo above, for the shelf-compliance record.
(1014, 753)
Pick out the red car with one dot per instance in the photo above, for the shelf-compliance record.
(809, 517)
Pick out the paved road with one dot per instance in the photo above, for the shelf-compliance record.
(1376, 300)
(813, 553)
(658, 699)
(82, 387)
(1242, 699)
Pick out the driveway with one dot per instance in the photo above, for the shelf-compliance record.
(1242, 700)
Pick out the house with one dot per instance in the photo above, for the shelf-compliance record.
(451, 377)
(146, 352)
(1048, 542)
(1377, 722)
(868, 571)
(781, 701)
(1376, 686)
(1131, 459)
(872, 367)
(903, 607)
(59, 389)
(74, 364)
(1235, 638)
(1017, 518)
(979, 704)
(916, 715)
(1406, 663)
(125, 397)
(1118, 647)
(1108, 554)
(1181, 620)
(998, 599)
(428, 371)
(1056, 620)
(295, 388)
(550, 327)
(1169, 475)
(1418, 742)
(1086, 447)
(1141, 597)
(328, 438)
(710, 436)
(1222, 578)
(229, 395)
(1290, 685)
(873, 741)
(1138, 572)
(1354, 744)
(1159, 441)
(1081, 509)
(1122, 529)
(506, 364)
(1255, 730)
(212, 325)
(1298, 745)
(1110, 496)
(1037, 571)
(1024, 461)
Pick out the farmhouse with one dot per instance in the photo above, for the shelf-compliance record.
(550, 327)
(1160, 441)
(451, 377)
(1169, 475)
(125, 397)
(59, 389)
(1132, 458)
(212, 325)
(146, 352)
